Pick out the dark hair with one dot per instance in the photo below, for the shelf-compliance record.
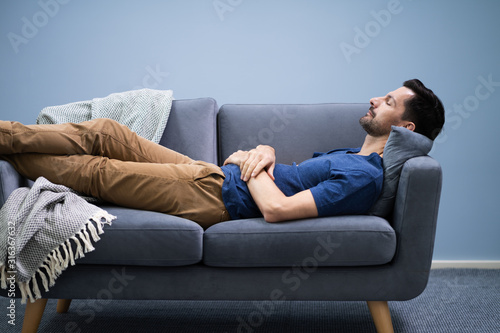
(424, 109)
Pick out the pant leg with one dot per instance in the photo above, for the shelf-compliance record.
(99, 137)
(192, 191)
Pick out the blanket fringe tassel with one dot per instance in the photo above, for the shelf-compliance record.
(60, 258)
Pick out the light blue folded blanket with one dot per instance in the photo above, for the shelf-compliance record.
(144, 111)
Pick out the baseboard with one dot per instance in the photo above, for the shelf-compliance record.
(484, 264)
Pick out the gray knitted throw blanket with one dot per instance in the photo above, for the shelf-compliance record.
(44, 229)
(144, 111)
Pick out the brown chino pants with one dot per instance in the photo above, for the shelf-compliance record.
(105, 159)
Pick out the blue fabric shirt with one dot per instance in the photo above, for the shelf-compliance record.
(340, 182)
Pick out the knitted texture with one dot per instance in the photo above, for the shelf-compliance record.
(37, 228)
(144, 111)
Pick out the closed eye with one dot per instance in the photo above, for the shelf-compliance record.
(389, 100)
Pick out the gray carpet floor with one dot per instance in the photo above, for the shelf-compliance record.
(455, 300)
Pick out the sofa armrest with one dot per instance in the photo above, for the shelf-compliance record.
(10, 180)
(415, 213)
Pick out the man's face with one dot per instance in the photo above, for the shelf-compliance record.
(385, 112)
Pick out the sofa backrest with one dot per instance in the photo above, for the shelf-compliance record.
(296, 131)
(191, 129)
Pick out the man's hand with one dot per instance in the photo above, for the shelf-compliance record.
(252, 162)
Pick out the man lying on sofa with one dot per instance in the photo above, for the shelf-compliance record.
(106, 160)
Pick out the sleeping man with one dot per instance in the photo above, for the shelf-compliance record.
(106, 160)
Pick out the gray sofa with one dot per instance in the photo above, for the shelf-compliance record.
(147, 255)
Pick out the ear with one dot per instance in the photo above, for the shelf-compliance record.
(409, 126)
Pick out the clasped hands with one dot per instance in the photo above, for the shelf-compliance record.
(252, 162)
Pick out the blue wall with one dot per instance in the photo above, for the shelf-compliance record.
(280, 52)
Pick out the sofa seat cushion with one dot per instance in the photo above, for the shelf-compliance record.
(330, 241)
(147, 238)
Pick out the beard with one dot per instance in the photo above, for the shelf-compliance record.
(372, 126)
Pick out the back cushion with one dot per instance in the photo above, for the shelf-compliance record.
(191, 129)
(295, 131)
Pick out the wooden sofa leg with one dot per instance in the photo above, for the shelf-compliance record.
(33, 315)
(381, 316)
(63, 305)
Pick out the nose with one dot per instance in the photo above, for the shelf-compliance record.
(375, 101)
